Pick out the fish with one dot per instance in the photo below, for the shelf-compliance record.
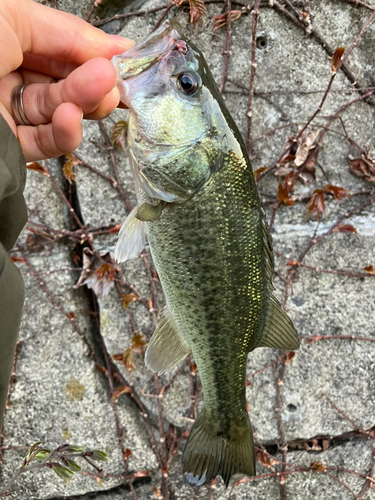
(199, 208)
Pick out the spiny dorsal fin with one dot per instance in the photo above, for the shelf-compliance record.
(166, 348)
(278, 330)
(131, 239)
(211, 452)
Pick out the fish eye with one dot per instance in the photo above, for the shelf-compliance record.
(188, 83)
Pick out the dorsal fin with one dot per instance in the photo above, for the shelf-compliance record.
(131, 239)
(166, 348)
(278, 330)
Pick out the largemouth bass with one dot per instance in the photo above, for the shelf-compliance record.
(209, 239)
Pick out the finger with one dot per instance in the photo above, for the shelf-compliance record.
(57, 69)
(107, 105)
(64, 37)
(61, 136)
(86, 87)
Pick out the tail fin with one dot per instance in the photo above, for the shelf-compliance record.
(210, 452)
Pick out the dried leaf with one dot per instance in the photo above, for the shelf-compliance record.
(318, 466)
(115, 229)
(370, 270)
(39, 242)
(338, 192)
(38, 168)
(258, 171)
(345, 228)
(21, 260)
(157, 492)
(289, 357)
(96, 274)
(337, 58)
(127, 298)
(305, 143)
(325, 444)
(138, 343)
(316, 204)
(119, 133)
(128, 361)
(221, 19)
(68, 173)
(123, 389)
(363, 167)
(283, 194)
(197, 10)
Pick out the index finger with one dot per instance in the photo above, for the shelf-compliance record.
(58, 35)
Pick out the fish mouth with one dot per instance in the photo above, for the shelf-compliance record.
(149, 51)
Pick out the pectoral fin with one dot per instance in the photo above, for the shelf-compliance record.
(278, 331)
(166, 348)
(148, 212)
(131, 239)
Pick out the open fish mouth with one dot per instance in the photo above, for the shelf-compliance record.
(149, 51)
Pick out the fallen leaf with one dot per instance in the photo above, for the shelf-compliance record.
(221, 19)
(305, 143)
(197, 10)
(345, 228)
(68, 173)
(337, 58)
(98, 273)
(370, 270)
(338, 192)
(318, 466)
(283, 191)
(128, 360)
(289, 357)
(38, 168)
(363, 167)
(316, 204)
(119, 133)
(39, 242)
(124, 389)
(127, 298)
(138, 343)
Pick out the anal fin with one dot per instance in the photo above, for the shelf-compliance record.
(166, 347)
(278, 331)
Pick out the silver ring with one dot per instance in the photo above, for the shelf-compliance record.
(17, 106)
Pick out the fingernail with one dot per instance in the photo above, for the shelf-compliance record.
(124, 41)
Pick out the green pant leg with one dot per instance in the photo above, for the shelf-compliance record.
(11, 301)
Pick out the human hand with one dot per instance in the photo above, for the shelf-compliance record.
(39, 46)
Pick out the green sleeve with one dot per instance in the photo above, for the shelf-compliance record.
(13, 216)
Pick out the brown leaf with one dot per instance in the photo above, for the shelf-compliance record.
(283, 194)
(98, 272)
(370, 270)
(289, 357)
(115, 229)
(221, 19)
(316, 203)
(138, 343)
(258, 171)
(325, 444)
(21, 260)
(337, 58)
(345, 228)
(119, 133)
(318, 466)
(127, 298)
(39, 242)
(128, 360)
(197, 10)
(38, 168)
(363, 167)
(68, 173)
(305, 143)
(338, 192)
(123, 389)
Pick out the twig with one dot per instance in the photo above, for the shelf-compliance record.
(249, 114)
(227, 52)
(163, 16)
(283, 447)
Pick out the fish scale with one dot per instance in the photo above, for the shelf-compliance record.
(209, 239)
